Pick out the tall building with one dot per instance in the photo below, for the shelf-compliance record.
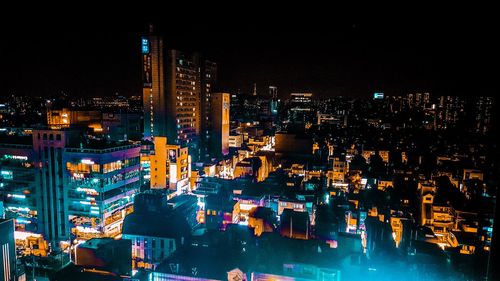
(8, 255)
(208, 85)
(59, 184)
(18, 182)
(100, 180)
(183, 102)
(49, 147)
(176, 95)
(219, 138)
(153, 86)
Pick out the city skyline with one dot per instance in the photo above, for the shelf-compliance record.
(246, 146)
(328, 58)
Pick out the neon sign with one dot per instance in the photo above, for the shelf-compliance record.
(17, 196)
(8, 175)
(145, 46)
(87, 161)
(15, 157)
(23, 221)
(78, 175)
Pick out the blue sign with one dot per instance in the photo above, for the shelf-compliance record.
(145, 46)
(378, 96)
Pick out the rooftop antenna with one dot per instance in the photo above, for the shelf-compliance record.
(254, 89)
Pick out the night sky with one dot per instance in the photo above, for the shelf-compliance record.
(93, 57)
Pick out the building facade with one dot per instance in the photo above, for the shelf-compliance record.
(170, 166)
(153, 86)
(8, 255)
(101, 183)
(177, 89)
(219, 137)
(18, 185)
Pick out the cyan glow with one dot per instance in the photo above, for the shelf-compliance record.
(17, 196)
(145, 46)
(15, 157)
(7, 175)
(19, 209)
(23, 221)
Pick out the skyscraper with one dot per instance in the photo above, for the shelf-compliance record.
(208, 85)
(49, 149)
(153, 89)
(219, 138)
(183, 100)
(18, 182)
(176, 95)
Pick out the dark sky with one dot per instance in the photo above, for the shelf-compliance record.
(297, 52)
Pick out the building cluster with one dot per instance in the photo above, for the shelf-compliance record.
(189, 183)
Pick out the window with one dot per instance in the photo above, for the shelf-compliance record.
(58, 137)
(95, 168)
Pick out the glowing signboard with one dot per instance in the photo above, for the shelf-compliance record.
(87, 161)
(17, 196)
(8, 175)
(145, 46)
(15, 157)
(378, 96)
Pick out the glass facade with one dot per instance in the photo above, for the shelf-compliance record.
(101, 186)
(17, 185)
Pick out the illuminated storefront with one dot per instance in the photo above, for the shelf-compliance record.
(17, 185)
(101, 186)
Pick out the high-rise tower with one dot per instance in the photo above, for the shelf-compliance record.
(153, 86)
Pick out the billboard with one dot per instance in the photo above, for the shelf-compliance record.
(378, 96)
(172, 155)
